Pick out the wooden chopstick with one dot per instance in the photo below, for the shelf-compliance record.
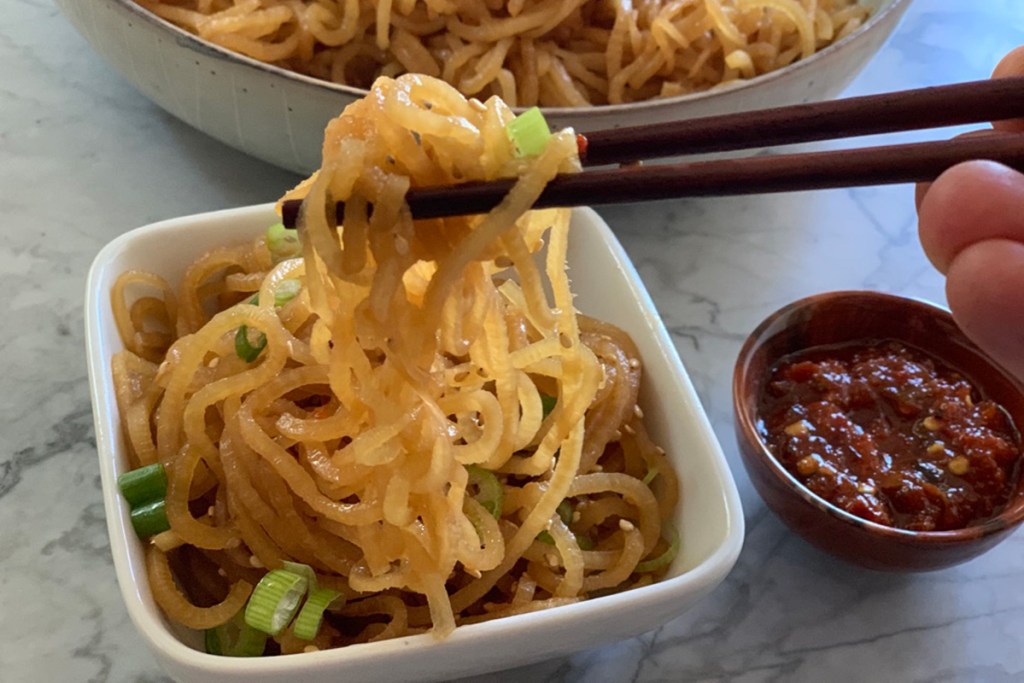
(934, 107)
(885, 165)
(994, 100)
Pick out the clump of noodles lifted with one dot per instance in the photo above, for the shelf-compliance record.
(529, 52)
(414, 370)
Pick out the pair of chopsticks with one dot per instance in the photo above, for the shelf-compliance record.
(936, 107)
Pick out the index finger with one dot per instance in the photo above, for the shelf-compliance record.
(1011, 65)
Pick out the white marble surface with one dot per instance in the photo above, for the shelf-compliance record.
(84, 158)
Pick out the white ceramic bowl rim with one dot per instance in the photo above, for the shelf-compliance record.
(213, 50)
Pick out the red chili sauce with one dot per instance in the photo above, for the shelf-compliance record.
(890, 435)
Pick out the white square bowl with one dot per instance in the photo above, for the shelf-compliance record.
(708, 517)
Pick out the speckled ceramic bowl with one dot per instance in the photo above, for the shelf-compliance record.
(279, 116)
(838, 318)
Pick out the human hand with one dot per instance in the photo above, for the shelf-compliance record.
(971, 224)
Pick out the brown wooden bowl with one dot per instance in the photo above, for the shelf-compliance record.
(841, 317)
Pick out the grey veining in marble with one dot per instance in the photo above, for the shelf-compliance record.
(83, 158)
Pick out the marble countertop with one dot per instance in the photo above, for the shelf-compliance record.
(83, 158)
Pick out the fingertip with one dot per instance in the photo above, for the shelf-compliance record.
(920, 191)
(968, 203)
(983, 286)
(1011, 65)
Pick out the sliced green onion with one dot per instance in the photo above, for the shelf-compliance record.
(651, 474)
(490, 492)
(150, 520)
(303, 570)
(275, 601)
(529, 133)
(547, 403)
(245, 349)
(143, 485)
(235, 639)
(286, 291)
(564, 512)
(307, 624)
(283, 243)
(666, 557)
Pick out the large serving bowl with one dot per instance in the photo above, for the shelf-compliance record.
(850, 317)
(708, 517)
(279, 116)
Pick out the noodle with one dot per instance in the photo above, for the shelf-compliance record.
(410, 360)
(529, 52)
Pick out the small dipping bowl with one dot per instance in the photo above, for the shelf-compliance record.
(849, 317)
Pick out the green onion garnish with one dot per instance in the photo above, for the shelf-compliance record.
(307, 624)
(235, 639)
(286, 291)
(245, 349)
(143, 485)
(666, 557)
(275, 601)
(303, 570)
(564, 512)
(547, 403)
(529, 133)
(651, 474)
(283, 243)
(490, 492)
(150, 519)
(584, 543)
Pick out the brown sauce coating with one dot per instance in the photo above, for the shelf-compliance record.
(890, 435)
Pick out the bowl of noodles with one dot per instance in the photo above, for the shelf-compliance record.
(265, 76)
(392, 448)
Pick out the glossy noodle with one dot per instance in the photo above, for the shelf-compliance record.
(427, 421)
(555, 53)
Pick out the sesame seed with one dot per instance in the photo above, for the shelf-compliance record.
(798, 428)
(626, 525)
(255, 562)
(807, 466)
